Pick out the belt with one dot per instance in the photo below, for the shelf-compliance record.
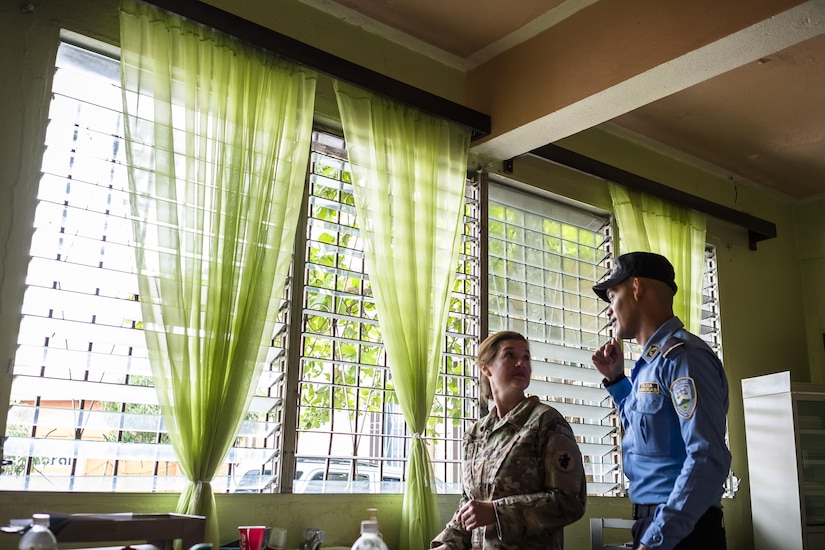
(644, 510)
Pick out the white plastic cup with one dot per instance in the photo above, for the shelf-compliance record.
(277, 539)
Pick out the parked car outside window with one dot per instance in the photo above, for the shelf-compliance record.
(322, 476)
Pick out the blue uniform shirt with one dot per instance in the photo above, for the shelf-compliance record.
(673, 410)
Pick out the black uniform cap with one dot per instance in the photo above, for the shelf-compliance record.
(637, 264)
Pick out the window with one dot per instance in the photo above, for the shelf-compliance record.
(83, 414)
(711, 322)
(712, 333)
(347, 408)
(544, 257)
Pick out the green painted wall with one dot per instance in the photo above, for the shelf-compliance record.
(810, 248)
(338, 515)
(773, 309)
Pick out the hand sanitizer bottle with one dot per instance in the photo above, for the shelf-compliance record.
(370, 538)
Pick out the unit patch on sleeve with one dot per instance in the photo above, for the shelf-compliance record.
(683, 394)
(563, 461)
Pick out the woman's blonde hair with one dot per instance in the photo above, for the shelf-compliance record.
(487, 352)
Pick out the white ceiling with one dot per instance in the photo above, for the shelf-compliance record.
(750, 103)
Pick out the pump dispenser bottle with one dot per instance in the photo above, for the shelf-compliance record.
(370, 538)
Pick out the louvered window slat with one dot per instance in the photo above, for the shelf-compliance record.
(98, 420)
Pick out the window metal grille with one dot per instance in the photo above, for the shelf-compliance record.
(351, 434)
(711, 321)
(83, 414)
(544, 257)
(711, 332)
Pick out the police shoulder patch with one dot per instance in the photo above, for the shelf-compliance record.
(683, 394)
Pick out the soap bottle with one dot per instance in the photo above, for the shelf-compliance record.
(370, 538)
(39, 537)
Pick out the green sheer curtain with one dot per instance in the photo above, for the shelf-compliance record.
(409, 171)
(649, 224)
(217, 137)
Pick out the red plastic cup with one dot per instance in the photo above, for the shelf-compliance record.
(251, 537)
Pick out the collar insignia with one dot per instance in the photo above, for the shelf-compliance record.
(652, 351)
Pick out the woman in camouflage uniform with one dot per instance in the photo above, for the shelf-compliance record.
(523, 476)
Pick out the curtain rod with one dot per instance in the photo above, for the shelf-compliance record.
(328, 64)
(758, 229)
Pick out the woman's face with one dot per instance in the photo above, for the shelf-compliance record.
(510, 369)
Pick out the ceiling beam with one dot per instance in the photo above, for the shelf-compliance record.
(605, 61)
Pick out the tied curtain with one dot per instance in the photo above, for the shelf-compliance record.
(649, 224)
(217, 136)
(409, 171)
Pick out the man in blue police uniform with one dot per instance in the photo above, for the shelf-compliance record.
(672, 408)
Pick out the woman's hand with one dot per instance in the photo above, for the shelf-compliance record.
(476, 513)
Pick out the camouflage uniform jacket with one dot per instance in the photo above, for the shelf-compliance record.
(529, 465)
